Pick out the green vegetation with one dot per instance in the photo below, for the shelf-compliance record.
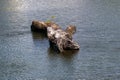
(51, 19)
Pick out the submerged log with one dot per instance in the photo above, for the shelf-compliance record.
(41, 26)
(62, 39)
(71, 30)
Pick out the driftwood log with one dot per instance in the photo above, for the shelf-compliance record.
(61, 39)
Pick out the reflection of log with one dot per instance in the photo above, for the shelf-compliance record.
(58, 37)
(39, 36)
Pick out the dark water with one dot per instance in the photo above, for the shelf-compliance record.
(25, 55)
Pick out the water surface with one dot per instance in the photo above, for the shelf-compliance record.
(25, 55)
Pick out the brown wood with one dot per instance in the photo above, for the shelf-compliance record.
(62, 39)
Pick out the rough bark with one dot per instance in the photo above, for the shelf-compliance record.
(62, 39)
(41, 26)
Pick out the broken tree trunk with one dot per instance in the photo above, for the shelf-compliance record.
(62, 39)
(42, 26)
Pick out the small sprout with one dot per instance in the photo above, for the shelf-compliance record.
(52, 17)
(50, 20)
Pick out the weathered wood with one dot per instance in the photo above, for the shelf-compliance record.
(62, 39)
(71, 30)
(41, 26)
(38, 26)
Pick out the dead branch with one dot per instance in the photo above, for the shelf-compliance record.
(62, 39)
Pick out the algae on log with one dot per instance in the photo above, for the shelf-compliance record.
(62, 39)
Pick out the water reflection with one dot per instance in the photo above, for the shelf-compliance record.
(69, 53)
(52, 50)
(38, 35)
(59, 62)
(26, 55)
(66, 54)
(15, 5)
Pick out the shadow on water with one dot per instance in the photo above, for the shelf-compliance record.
(51, 50)
(40, 40)
(68, 54)
(39, 35)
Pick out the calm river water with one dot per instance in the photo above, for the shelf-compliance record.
(25, 55)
